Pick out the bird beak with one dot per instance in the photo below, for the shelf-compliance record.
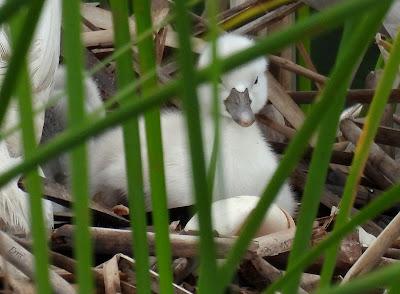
(238, 106)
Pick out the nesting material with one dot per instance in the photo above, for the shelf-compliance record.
(229, 216)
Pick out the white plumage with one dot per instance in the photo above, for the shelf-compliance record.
(43, 61)
(247, 161)
(14, 208)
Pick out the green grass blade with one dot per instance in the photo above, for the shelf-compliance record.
(362, 150)
(100, 65)
(133, 160)
(10, 8)
(155, 150)
(375, 280)
(212, 11)
(22, 42)
(73, 52)
(34, 186)
(372, 210)
(294, 151)
(314, 25)
(208, 268)
(322, 152)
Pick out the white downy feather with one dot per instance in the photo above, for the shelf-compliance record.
(14, 208)
(43, 61)
(248, 163)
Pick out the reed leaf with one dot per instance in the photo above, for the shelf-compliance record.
(372, 210)
(375, 280)
(212, 11)
(252, 12)
(294, 151)
(34, 185)
(73, 52)
(310, 27)
(133, 159)
(208, 267)
(362, 151)
(155, 149)
(11, 8)
(327, 134)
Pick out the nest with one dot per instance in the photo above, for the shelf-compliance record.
(266, 257)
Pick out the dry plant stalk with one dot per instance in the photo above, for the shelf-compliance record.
(112, 283)
(114, 241)
(377, 157)
(363, 96)
(284, 103)
(372, 256)
(23, 260)
(298, 69)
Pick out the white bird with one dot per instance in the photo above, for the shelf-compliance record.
(56, 121)
(248, 162)
(14, 208)
(43, 61)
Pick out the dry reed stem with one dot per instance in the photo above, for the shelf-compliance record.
(373, 254)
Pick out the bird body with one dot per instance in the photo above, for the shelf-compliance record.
(42, 62)
(14, 203)
(247, 164)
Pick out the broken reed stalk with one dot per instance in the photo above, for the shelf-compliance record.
(284, 130)
(298, 69)
(64, 262)
(23, 260)
(372, 256)
(377, 157)
(114, 241)
(268, 271)
(385, 135)
(363, 96)
(308, 62)
(284, 103)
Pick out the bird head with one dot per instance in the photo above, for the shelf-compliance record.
(242, 92)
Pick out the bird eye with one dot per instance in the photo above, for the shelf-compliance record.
(256, 81)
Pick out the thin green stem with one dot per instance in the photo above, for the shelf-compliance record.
(372, 210)
(155, 150)
(73, 52)
(322, 152)
(34, 186)
(375, 280)
(70, 138)
(294, 151)
(362, 152)
(10, 8)
(133, 160)
(208, 267)
(215, 70)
